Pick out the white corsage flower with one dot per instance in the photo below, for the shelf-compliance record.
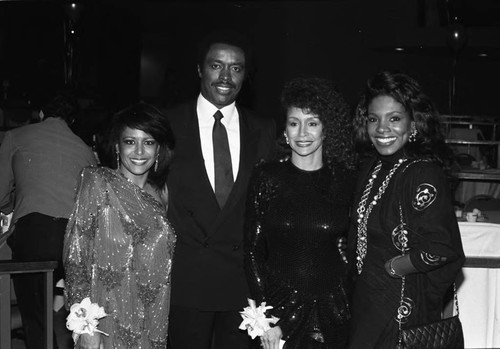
(255, 320)
(84, 318)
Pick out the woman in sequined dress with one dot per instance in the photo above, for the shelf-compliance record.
(119, 245)
(297, 210)
(397, 128)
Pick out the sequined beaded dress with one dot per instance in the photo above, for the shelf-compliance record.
(294, 218)
(118, 251)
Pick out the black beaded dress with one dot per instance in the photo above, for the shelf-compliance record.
(294, 219)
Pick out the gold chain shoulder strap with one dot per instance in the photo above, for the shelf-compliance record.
(406, 304)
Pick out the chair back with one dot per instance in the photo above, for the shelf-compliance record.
(464, 160)
(483, 203)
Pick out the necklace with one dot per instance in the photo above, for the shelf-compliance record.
(364, 212)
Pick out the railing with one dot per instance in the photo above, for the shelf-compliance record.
(471, 121)
(7, 268)
(482, 262)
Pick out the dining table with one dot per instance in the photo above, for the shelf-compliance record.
(478, 286)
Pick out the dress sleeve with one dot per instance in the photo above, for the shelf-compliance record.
(6, 175)
(255, 239)
(433, 230)
(79, 240)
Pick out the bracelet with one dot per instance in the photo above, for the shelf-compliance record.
(391, 271)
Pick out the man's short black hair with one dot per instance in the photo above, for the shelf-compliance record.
(228, 37)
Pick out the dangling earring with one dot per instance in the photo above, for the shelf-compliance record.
(156, 163)
(286, 138)
(413, 135)
(117, 160)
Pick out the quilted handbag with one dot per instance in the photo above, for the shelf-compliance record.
(443, 334)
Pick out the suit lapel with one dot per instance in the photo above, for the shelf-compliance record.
(197, 164)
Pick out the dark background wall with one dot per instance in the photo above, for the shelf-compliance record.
(346, 41)
(126, 50)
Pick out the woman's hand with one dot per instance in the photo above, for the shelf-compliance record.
(389, 268)
(87, 341)
(271, 338)
(399, 266)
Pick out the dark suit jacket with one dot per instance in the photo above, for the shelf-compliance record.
(208, 269)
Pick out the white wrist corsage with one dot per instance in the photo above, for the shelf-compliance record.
(255, 320)
(84, 317)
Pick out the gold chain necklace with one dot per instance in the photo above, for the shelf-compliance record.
(364, 212)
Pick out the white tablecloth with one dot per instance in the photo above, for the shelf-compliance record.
(479, 293)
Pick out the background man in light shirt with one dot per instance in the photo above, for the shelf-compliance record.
(38, 178)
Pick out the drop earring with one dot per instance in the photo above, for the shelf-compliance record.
(413, 136)
(286, 138)
(117, 160)
(156, 163)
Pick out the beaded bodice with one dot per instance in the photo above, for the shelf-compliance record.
(301, 224)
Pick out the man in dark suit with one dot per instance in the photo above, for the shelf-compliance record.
(208, 280)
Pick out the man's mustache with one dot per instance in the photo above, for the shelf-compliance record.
(224, 84)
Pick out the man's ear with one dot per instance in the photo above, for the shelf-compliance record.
(199, 71)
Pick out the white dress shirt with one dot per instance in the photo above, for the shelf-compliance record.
(206, 120)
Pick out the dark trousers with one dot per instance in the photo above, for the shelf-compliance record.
(194, 329)
(38, 237)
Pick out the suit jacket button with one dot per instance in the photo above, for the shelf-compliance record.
(236, 247)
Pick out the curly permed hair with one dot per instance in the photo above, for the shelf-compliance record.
(320, 97)
(429, 142)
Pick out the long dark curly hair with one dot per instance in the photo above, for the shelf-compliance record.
(319, 96)
(429, 141)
